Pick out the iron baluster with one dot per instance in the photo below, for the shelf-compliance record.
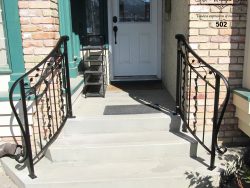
(195, 104)
(51, 105)
(43, 118)
(178, 82)
(61, 101)
(27, 131)
(47, 99)
(183, 101)
(189, 87)
(38, 119)
(215, 120)
(68, 89)
(54, 96)
(205, 111)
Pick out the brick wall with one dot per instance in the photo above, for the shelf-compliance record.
(40, 28)
(222, 46)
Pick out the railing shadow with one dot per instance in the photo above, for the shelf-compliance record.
(155, 96)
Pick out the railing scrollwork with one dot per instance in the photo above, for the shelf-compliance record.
(45, 99)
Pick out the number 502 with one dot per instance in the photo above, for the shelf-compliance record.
(221, 24)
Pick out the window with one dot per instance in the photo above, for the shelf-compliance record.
(93, 17)
(134, 10)
(95, 22)
(4, 66)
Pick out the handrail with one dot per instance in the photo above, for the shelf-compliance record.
(192, 72)
(44, 89)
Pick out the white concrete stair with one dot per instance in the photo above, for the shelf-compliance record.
(119, 151)
(121, 147)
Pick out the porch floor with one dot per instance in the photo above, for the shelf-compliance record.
(124, 96)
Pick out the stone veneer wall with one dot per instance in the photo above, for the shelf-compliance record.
(40, 28)
(223, 48)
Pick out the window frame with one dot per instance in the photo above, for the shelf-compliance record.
(13, 41)
(7, 68)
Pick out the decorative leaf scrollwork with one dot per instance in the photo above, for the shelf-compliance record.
(195, 105)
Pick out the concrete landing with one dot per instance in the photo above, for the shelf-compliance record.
(88, 107)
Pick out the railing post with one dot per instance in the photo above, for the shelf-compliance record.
(177, 106)
(215, 121)
(27, 131)
(68, 88)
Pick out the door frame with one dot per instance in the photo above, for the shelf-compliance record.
(159, 39)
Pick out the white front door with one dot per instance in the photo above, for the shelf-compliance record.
(135, 46)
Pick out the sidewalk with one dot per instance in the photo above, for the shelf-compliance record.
(5, 181)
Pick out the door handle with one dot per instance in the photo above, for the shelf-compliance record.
(115, 29)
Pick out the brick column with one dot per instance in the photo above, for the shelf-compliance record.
(217, 34)
(40, 29)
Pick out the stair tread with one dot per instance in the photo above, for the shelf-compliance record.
(123, 139)
(122, 123)
(47, 171)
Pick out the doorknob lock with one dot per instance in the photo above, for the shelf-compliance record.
(115, 19)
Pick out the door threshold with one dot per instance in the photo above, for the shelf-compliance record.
(136, 78)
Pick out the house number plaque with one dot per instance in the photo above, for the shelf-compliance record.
(228, 12)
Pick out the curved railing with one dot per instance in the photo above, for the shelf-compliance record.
(44, 104)
(202, 95)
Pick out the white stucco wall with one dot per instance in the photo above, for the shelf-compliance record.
(176, 23)
(246, 71)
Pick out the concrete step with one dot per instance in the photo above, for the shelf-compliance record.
(126, 123)
(113, 147)
(169, 172)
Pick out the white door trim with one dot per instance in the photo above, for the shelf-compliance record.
(110, 36)
(159, 40)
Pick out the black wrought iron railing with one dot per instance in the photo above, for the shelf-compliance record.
(202, 95)
(45, 104)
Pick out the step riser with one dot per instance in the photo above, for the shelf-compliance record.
(121, 153)
(121, 125)
(162, 182)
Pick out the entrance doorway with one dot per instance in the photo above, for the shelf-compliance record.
(131, 29)
(135, 39)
